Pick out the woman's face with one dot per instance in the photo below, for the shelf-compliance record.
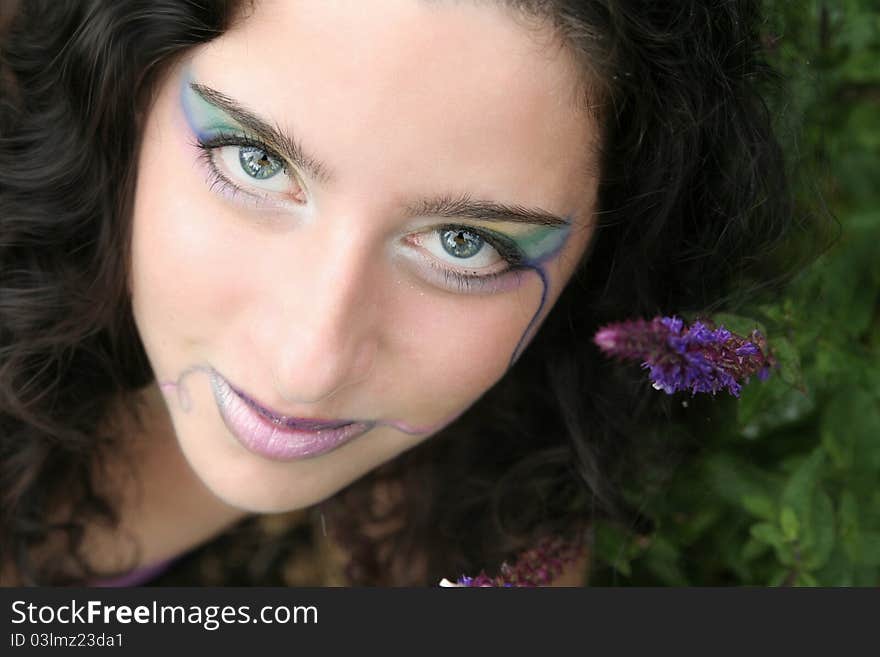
(348, 224)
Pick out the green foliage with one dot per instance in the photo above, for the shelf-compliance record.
(786, 487)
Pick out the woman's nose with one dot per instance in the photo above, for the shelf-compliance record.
(325, 322)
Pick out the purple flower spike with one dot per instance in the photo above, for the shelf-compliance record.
(537, 566)
(699, 358)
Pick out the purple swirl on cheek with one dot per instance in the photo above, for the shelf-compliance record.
(522, 340)
(183, 396)
(417, 430)
(545, 249)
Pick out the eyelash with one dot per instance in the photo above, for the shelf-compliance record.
(475, 283)
(453, 279)
(218, 181)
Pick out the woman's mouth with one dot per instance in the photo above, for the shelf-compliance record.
(277, 437)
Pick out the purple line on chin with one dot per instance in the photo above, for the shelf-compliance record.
(186, 404)
(413, 430)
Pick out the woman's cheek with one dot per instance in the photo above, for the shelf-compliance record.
(452, 348)
(187, 269)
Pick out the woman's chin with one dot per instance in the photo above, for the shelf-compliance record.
(255, 484)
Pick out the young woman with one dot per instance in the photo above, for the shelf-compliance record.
(261, 256)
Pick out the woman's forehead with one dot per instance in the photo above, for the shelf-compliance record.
(411, 91)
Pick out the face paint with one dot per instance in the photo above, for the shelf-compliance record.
(279, 437)
(543, 243)
(357, 302)
(541, 246)
(204, 119)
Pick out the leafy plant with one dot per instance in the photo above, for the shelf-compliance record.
(785, 490)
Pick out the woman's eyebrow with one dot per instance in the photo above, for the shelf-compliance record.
(286, 145)
(461, 207)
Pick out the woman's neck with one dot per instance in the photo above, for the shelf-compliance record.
(163, 506)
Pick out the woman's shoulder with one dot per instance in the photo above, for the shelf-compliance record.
(136, 577)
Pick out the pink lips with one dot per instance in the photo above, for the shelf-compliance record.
(276, 437)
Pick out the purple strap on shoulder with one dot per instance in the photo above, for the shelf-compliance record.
(135, 577)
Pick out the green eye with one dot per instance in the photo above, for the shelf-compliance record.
(257, 163)
(461, 243)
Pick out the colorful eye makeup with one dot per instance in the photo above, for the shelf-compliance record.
(245, 165)
(473, 259)
(241, 167)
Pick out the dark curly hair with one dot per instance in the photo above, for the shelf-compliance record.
(694, 214)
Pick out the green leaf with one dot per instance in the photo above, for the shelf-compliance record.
(850, 531)
(864, 221)
(789, 523)
(662, 559)
(789, 363)
(772, 536)
(769, 405)
(779, 576)
(805, 579)
(735, 480)
(761, 506)
(697, 524)
(819, 540)
(850, 430)
(838, 570)
(798, 490)
(754, 548)
(840, 294)
(866, 576)
(614, 547)
(871, 548)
